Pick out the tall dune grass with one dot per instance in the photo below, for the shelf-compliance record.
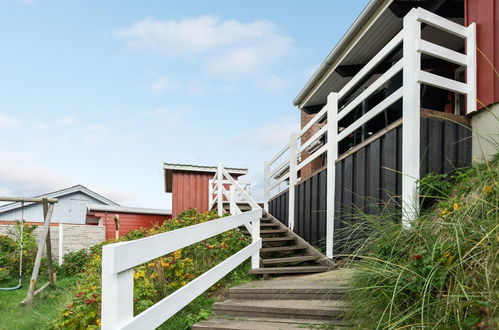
(442, 273)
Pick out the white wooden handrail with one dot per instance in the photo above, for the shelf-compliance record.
(413, 76)
(119, 260)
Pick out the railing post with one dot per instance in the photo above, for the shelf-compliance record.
(220, 187)
(266, 181)
(292, 180)
(471, 69)
(410, 117)
(232, 200)
(332, 155)
(255, 236)
(117, 293)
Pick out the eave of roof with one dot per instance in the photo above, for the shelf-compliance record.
(168, 169)
(60, 193)
(124, 209)
(340, 47)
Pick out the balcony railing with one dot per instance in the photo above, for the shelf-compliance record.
(286, 164)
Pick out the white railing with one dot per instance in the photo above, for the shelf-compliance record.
(119, 260)
(284, 165)
(234, 195)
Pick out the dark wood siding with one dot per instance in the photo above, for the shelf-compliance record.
(369, 181)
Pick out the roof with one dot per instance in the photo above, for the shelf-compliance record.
(378, 23)
(122, 209)
(60, 193)
(169, 168)
(340, 47)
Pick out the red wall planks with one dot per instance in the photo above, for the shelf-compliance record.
(190, 190)
(485, 13)
(129, 221)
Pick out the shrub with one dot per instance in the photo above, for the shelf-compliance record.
(75, 262)
(442, 272)
(10, 253)
(156, 278)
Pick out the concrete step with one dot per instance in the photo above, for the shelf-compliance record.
(317, 293)
(289, 270)
(261, 324)
(283, 249)
(289, 260)
(278, 239)
(290, 309)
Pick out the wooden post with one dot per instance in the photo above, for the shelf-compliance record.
(266, 184)
(117, 225)
(61, 244)
(410, 118)
(48, 244)
(292, 180)
(220, 187)
(38, 260)
(332, 155)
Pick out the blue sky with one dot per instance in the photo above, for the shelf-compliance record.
(101, 93)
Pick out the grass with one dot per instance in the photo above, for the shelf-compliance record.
(47, 305)
(442, 272)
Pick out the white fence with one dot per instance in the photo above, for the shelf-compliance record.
(119, 260)
(283, 167)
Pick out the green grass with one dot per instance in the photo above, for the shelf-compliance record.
(442, 272)
(47, 305)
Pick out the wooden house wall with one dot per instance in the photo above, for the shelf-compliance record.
(369, 180)
(485, 13)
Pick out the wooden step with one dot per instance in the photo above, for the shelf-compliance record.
(273, 231)
(269, 224)
(288, 293)
(289, 260)
(283, 248)
(218, 323)
(278, 239)
(290, 270)
(291, 309)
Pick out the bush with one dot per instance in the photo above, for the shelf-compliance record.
(442, 272)
(75, 262)
(155, 279)
(10, 253)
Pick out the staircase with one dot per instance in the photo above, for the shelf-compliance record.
(298, 302)
(284, 252)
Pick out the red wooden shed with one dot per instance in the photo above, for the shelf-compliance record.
(130, 218)
(189, 185)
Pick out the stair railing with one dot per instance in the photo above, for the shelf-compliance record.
(325, 140)
(119, 260)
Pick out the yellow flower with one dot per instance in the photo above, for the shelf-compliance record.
(165, 264)
(98, 322)
(487, 189)
(154, 276)
(150, 265)
(444, 212)
(177, 254)
(188, 260)
(455, 206)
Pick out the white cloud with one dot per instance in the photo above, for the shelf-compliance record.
(8, 121)
(162, 85)
(271, 135)
(229, 46)
(22, 175)
(168, 116)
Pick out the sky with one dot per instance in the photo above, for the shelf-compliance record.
(102, 93)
